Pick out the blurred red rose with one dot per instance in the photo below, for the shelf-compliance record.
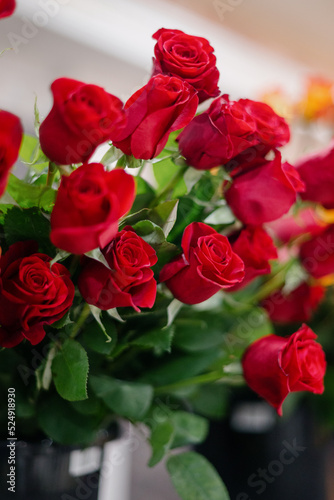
(82, 117)
(217, 135)
(255, 247)
(317, 173)
(10, 141)
(88, 206)
(163, 105)
(33, 293)
(206, 265)
(298, 305)
(7, 8)
(188, 57)
(289, 227)
(263, 190)
(129, 282)
(317, 254)
(275, 366)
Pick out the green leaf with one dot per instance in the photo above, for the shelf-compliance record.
(70, 371)
(58, 419)
(28, 224)
(96, 340)
(150, 232)
(64, 321)
(189, 428)
(113, 154)
(223, 215)
(127, 399)
(32, 155)
(144, 195)
(172, 311)
(195, 334)
(164, 215)
(195, 478)
(37, 121)
(161, 440)
(210, 400)
(30, 195)
(159, 339)
(44, 372)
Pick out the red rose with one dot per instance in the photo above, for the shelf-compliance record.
(163, 105)
(298, 305)
(129, 282)
(217, 135)
(255, 247)
(271, 129)
(263, 190)
(83, 116)
(88, 206)
(33, 294)
(274, 366)
(317, 254)
(7, 8)
(207, 265)
(304, 223)
(10, 142)
(317, 172)
(188, 57)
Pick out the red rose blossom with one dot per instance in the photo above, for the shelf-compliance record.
(83, 116)
(217, 135)
(275, 366)
(207, 265)
(302, 225)
(263, 190)
(88, 206)
(255, 247)
(188, 57)
(317, 254)
(129, 282)
(298, 305)
(10, 142)
(7, 8)
(33, 293)
(163, 105)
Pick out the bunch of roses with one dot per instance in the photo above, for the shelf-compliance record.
(242, 135)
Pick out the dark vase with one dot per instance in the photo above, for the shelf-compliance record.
(259, 455)
(48, 471)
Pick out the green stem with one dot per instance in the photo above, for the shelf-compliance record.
(200, 379)
(274, 283)
(169, 186)
(85, 312)
(51, 174)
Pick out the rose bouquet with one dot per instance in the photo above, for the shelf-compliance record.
(140, 284)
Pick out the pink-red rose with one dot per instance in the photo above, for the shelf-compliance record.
(317, 254)
(7, 8)
(82, 117)
(298, 305)
(10, 141)
(33, 294)
(263, 190)
(299, 225)
(275, 366)
(317, 172)
(129, 282)
(88, 206)
(206, 265)
(163, 105)
(255, 247)
(188, 57)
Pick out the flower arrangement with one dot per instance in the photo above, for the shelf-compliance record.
(149, 279)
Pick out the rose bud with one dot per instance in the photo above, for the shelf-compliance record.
(10, 141)
(82, 117)
(317, 254)
(255, 247)
(33, 294)
(129, 282)
(188, 57)
(217, 135)
(275, 366)
(317, 173)
(263, 190)
(298, 305)
(163, 105)
(207, 265)
(88, 206)
(7, 8)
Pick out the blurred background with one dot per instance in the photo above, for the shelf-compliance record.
(263, 47)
